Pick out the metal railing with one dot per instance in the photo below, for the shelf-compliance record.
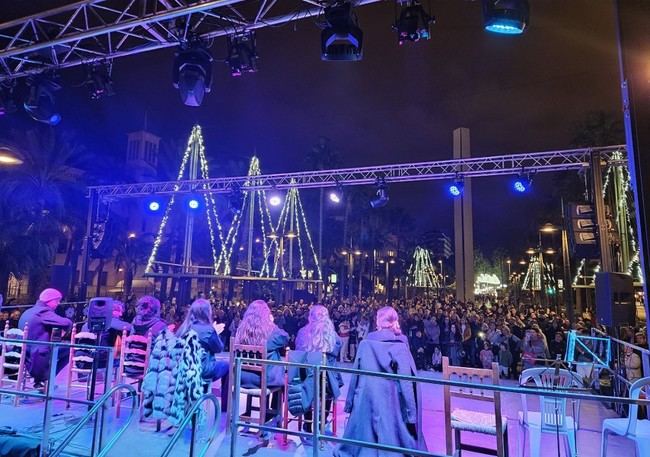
(192, 416)
(95, 411)
(317, 437)
(48, 395)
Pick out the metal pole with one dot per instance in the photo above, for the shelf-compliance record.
(320, 230)
(234, 410)
(47, 412)
(601, 215)
(251, 219)
(85, 258)
(566, 269)
(292, 214)
(315, 429)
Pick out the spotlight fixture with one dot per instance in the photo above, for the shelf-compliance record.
(508, 17)
(413, 22)
(235, 199)
(40, 103)
(336, 195)
(341, 39)
(522, 183)
(98, 80)
(242, 53)
(193, 203)
(154, 206)
(382, 194)
(456, 188)
(275, 199)
(193, 72)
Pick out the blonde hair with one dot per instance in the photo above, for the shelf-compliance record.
(200, 312)
(256, 326)
(387, 319)
(319, 334)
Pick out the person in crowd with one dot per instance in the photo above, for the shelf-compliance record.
(505, 360)
(455, 345)
(418, 346)
(363, 327)
(147, 318)
(633, 370)
(557, 348)
(486, 355)
(344, 334)
(41, 321)
(385, 350)
(319, 337)
(436, 359)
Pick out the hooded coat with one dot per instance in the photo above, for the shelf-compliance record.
(382, 410)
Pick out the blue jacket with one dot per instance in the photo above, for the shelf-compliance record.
(276, 343)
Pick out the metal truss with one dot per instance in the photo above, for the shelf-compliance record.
(538, 162)
(99, 30)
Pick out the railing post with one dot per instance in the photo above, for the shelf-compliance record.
(315, 426)
(234, 409)
(193, 434)
(47, 413)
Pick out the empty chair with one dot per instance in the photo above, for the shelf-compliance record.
(13, 369)
(552, 415)
(134, 359)
(81, 362)
(630, 427)
(469, 420)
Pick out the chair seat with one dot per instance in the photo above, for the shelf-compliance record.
(619, 426)
(256, 392)
(473, 421)
(535, 420)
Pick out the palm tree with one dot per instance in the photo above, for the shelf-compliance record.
(39, 199)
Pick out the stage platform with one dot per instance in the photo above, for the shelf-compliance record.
(141, 439)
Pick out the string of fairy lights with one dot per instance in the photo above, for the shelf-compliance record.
(421, 273)
(292, 214)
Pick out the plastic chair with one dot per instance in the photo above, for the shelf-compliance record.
(264, 393)
(552, 417)
(460, 420)
(630, 427)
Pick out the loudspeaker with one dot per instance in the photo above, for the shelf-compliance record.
(100, 314)
(615, 299)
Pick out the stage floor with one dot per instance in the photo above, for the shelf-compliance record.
(141, 439)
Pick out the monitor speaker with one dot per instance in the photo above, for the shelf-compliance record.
(615, 299)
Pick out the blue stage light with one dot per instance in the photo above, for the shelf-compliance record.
(193, 203)
(154, 206)
(522, 183)
(456, 189)
(509, 17)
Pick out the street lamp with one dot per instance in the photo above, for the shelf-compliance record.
(10, 157)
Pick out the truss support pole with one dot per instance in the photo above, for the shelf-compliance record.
(601, 213)
(185, 289)
(463, 226)
(87, 243)
(251, 218)
(633, 36)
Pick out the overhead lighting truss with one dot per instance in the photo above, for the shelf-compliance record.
(101, 30)
(504, 165)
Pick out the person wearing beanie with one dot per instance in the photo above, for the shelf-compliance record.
(41, 321)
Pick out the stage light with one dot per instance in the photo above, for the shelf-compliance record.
(336, 195)
(341, 39)
(154, 206)
(275, 199)
(382, 195)
(413, 22)
(456, 188)
(40, 103)
(98, 80)
(193, 72)
(10, 157)
(522, 183)
(242, 53)
(193, 203)
(508, 17)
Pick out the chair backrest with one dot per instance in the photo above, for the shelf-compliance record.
(636, 389)
(552, 409)
(478, 377)
(249, 353)
(135, 353)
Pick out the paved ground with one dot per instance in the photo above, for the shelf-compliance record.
(141, 439)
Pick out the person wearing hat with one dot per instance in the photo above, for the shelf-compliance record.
(41, 320)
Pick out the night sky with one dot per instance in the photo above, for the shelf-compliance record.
(400, 104)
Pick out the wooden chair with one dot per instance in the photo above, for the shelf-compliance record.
(460, 420)
(13, 369)
(288, 418)
(80, 358)
(134, 360)
(264, 394)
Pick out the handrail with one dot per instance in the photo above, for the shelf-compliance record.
(100, 404)
(60, 344)
(191, 415)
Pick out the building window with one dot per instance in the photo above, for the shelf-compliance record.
(103, 280)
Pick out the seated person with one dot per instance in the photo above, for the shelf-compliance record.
(147, 317)
(199, 319)
(314, 339)
(383, 410)
(41, 321)
(258, 329)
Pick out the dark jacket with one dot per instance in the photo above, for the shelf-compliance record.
(383, 410)
(211, 343)
(155, 326)
(275, 346)
(41, 319)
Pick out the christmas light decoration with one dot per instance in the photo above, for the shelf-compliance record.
(421, 273)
